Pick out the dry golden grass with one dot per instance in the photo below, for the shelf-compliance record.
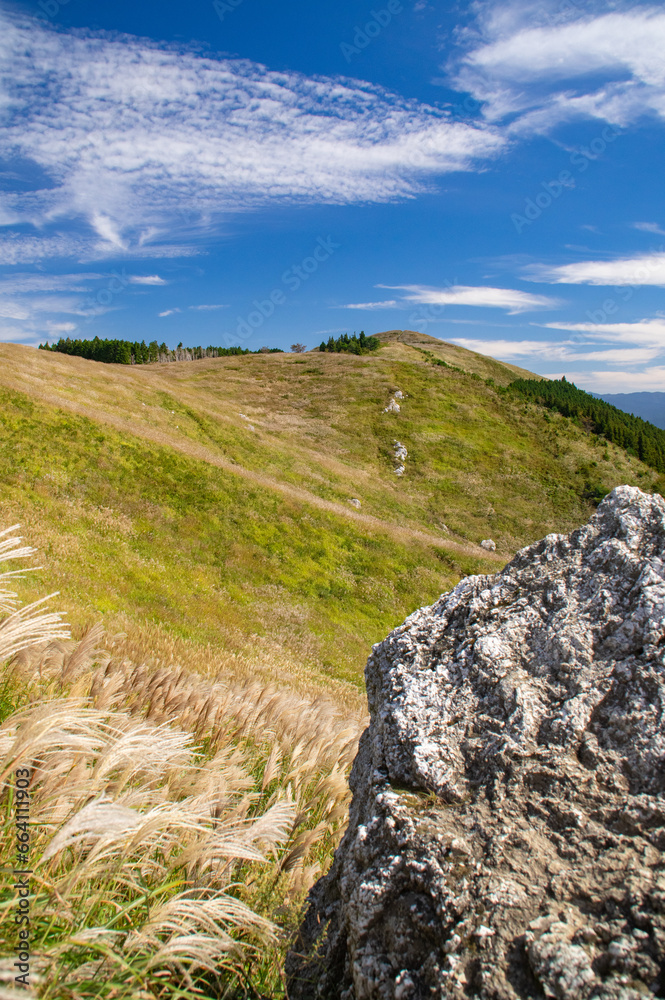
(265, 665)
(174, 814)
(22, 628)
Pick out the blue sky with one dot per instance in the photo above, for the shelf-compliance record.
(245, 172)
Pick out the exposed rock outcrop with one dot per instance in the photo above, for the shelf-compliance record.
(508, 813)
(400, 451)
(401, 455)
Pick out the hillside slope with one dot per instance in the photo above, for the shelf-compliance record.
(211, 499)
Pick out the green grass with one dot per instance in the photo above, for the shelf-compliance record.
(471, 448)
(176, 541)
(141, 522)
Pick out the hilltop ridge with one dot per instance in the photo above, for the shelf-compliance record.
(256, 502)
(470, 361)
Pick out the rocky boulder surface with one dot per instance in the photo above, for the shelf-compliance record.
(508, 815)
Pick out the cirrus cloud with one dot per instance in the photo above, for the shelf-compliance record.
(138, 139)
(543, 350)
(647, 332)
(388, 304)
(645, 269)
(510, 299)
(147, 279)
(39, 301)
(606, 381)
(606, 64)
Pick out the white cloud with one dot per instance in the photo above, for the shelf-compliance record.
(28, 307)
(147, 279)
(19, 249)
(504, 350)
(472, 322)
(646, 269)
(168, 312)
(605, 65)
(61, 327)
(71, 304)
(19, 284)
(647, 332)
(107, 229)
(651, 380)
(34, 312)
(619, 355)
(140, 141)
(514, 350)
(31, 249)
(15, 334)
(205, 308)
(38, 301)
(10, 309)
(649, 227)
(388, 304)
(512, 300)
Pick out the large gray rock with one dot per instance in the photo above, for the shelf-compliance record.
(508, 815)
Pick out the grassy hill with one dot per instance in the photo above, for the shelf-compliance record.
(200, 512)
(210, 500)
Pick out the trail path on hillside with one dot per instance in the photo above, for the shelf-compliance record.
(201, 453)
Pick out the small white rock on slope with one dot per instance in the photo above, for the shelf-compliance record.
(400, 456)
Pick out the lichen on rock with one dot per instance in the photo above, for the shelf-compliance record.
(508, 811)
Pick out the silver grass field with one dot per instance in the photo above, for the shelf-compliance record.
(177, 821)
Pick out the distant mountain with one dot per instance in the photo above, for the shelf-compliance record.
(648, 405)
